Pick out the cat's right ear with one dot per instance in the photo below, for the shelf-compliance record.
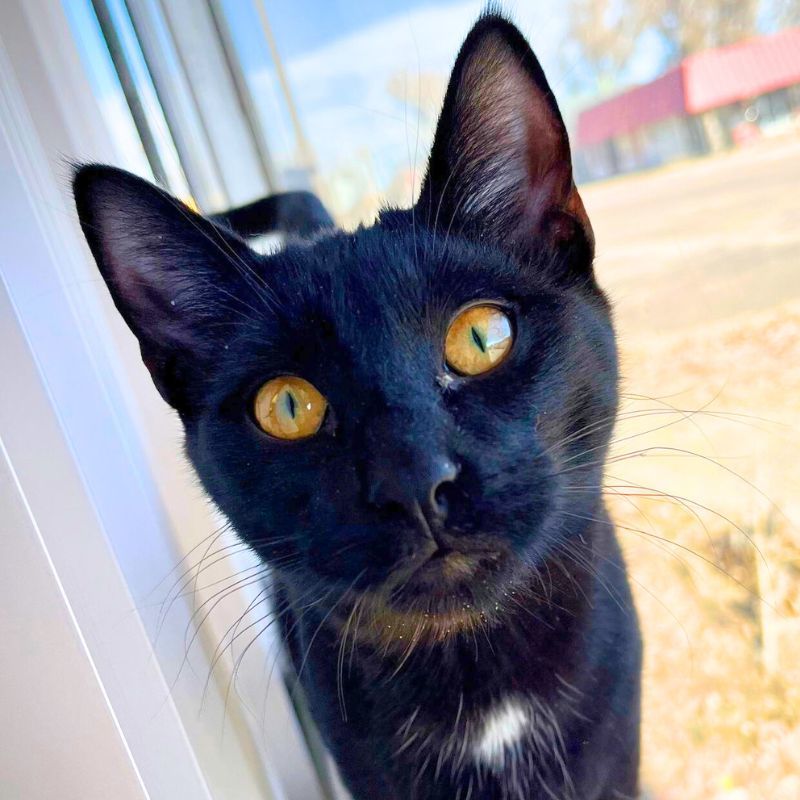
(500, 168)
(172, 274)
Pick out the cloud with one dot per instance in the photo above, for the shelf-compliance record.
(343, 92)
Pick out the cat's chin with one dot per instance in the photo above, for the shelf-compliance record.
(431, 599)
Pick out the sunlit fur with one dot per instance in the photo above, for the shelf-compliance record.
(440, 543)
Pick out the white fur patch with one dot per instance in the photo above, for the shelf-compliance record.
(503, 728)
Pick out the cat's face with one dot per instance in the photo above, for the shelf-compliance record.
(422, 484)
(364, 319)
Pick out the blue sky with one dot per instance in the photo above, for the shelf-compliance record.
(354, 67)
(342, 58)
(304, 25)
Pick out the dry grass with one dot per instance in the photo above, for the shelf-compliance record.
(703, 261)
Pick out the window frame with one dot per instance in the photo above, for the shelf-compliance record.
(95, 463)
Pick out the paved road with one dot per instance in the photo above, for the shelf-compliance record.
(702, 260)
(701, 241)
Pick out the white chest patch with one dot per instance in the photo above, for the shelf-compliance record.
(502, 729)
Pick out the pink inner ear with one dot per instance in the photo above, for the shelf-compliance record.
(514, 147)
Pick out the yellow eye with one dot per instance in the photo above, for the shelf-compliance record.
(478, 339)
(290, 408)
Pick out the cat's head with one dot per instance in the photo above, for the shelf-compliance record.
(404, 411)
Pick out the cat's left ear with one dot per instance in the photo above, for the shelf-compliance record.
(180, 282)
(500, 167)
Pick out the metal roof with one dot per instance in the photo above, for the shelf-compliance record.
(705, 80)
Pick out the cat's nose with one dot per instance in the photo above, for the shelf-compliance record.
(415, 485)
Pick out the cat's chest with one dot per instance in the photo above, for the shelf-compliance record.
(513, 742)
(500, 731)
(486, 737)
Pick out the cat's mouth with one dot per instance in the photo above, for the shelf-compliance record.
(444, 570)
(453, 564)
(438, 594)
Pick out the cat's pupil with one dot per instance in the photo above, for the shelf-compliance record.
(476, 337)
(291, 404)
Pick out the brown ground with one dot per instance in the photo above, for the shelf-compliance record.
(702, 260)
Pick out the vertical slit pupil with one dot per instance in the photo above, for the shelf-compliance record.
(291, 404)
(476, 337)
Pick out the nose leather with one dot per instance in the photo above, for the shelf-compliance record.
(415, 485)
(407, 466)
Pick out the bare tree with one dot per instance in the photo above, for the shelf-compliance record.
(691, 25)
(786, 12)
(605, 32)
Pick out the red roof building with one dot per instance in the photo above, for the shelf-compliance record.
(727, 79)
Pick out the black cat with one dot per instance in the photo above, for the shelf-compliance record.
(409, 423)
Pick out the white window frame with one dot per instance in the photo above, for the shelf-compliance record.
(97, 504)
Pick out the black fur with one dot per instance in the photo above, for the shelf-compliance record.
(295, 213)
(413, 462)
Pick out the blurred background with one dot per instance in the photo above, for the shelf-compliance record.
(684, 118)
